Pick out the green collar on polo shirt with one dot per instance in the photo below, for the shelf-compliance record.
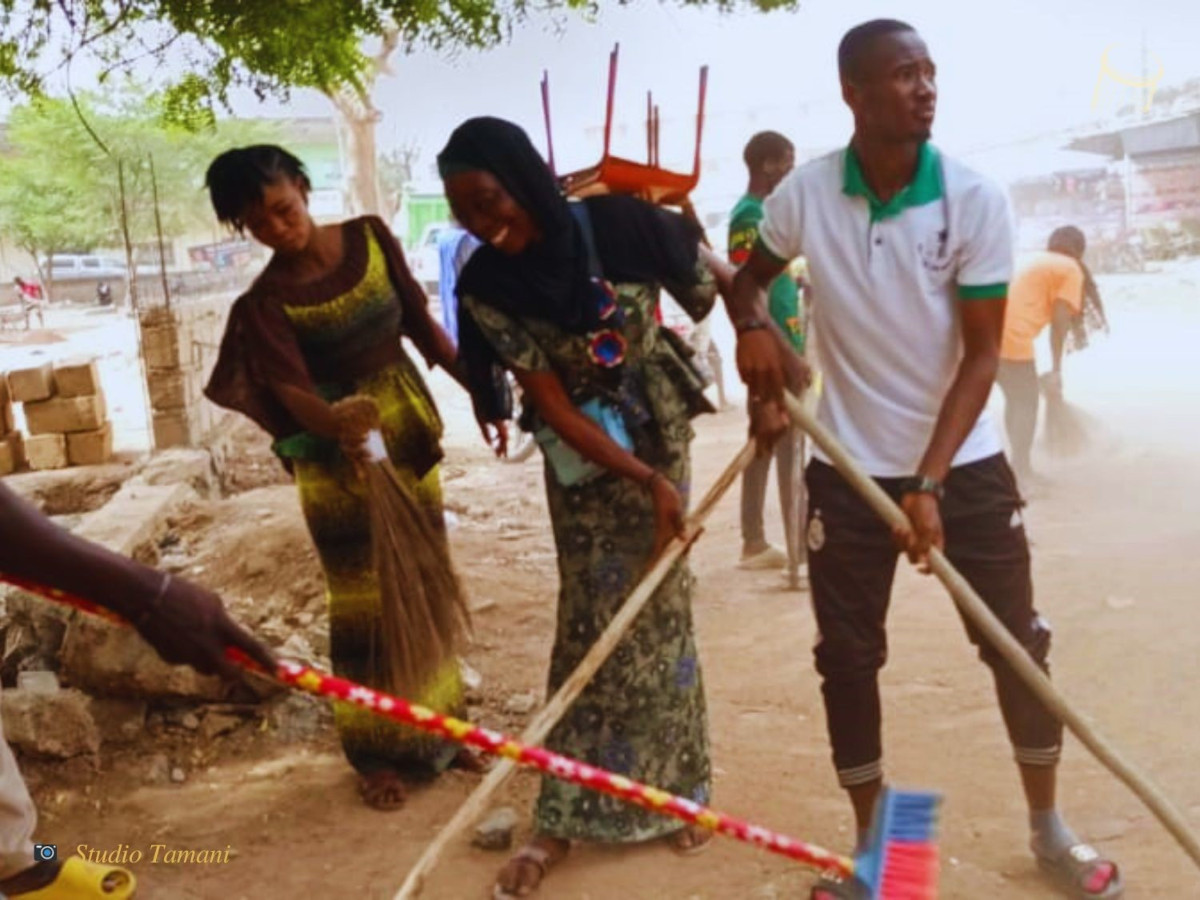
(926, 186)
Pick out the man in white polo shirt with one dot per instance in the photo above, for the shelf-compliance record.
(910, 254)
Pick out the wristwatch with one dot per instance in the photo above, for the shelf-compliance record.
(922, 484)
(752, 323)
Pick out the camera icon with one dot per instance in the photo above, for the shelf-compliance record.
(45, 852)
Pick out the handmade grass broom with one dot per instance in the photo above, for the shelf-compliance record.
(423, 617)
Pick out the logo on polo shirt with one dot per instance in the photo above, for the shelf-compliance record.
(816, 532)
(935, 254)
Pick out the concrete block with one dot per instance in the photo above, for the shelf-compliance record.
(78, 378)
(31, 385)
(56, 725)
(63, 415)
(176, 428)
(6, 413)
(172, 389)
(8, 465)
(166, 346)
(12, 453)
(46, 451)
(90, 448)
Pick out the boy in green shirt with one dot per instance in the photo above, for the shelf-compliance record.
(769, 156)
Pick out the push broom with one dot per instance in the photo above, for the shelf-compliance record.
(900, 864)
(976, 611)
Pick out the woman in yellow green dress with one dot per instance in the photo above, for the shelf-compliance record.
(322, 322)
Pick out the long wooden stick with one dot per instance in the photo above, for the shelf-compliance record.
(973, 607)
(474, 806)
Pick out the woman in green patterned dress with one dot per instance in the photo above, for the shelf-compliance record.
(323, 322)
(564, 298)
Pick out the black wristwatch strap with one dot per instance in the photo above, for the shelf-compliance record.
(750, 324)
(922, 484)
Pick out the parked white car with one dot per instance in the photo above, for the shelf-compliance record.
(83, 267)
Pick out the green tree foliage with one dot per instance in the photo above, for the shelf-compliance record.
(265, 45)
(59, 188)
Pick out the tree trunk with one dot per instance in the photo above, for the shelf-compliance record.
(45, 276)
(357, 118)
(362, 178)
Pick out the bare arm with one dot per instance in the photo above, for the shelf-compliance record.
(762, 355)
(982, 326)
(182, 621)
(722, 272)
(1060, 327)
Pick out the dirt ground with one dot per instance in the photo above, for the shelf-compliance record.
(1116, 570)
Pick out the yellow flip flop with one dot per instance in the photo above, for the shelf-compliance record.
(79, 879)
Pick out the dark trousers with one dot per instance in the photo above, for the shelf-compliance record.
(1018, 381)
(851, 565)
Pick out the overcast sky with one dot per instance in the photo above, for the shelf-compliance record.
(1007, 71)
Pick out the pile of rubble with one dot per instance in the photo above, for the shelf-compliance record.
(76, 685)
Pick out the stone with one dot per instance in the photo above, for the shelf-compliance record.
(190, 721)
(471, 678)
(299, 717)
(62, 415)
(121, 721)
(298, 648)
(31, 385)
(37, 681)
(76, 378)
(496, 831)
(521, 704)
(178, 775)
(113, 661)
(58, 725)
(216, 724)
(135, 516)
(183, 465)
(90, 448)
(46, 451)
(158, 771)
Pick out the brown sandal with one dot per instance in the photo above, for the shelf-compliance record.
(542, 860)
(376, 787)
(690, 840)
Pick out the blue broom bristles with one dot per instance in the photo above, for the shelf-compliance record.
(901, 861)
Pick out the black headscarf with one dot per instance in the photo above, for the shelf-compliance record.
(549, 280)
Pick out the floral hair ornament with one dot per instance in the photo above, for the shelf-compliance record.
(607, 348)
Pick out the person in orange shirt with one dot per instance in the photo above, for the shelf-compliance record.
(1054, 288)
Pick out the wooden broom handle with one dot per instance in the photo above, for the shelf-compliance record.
(549, 715)
(972, 606)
